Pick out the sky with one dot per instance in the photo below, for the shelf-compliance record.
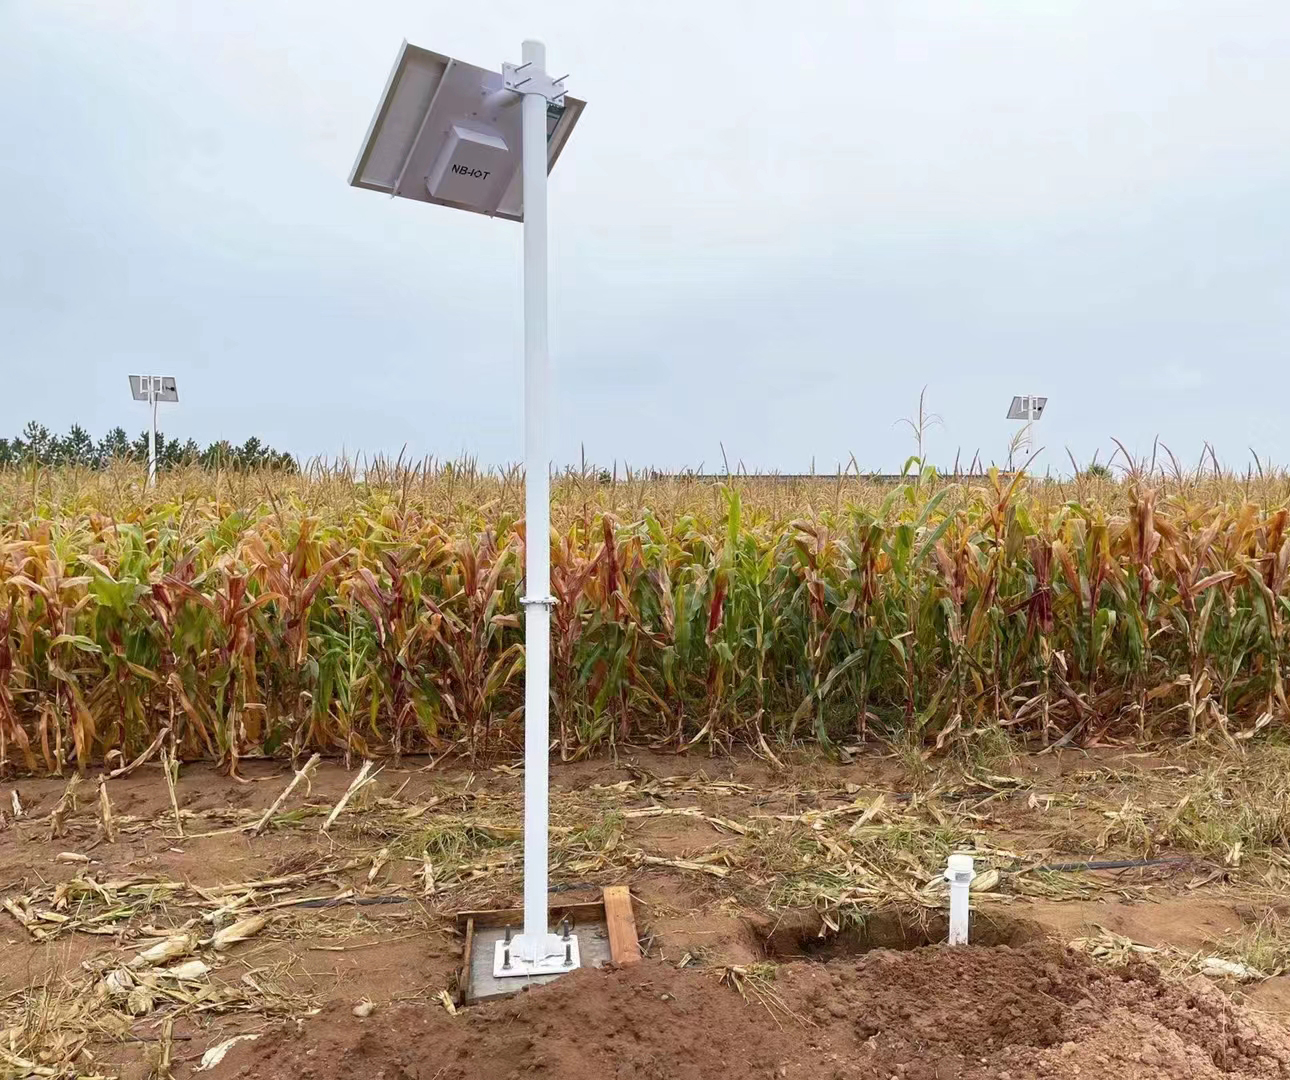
(775, 224)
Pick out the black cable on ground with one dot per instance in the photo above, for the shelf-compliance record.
(1105, 864)
(357, 901)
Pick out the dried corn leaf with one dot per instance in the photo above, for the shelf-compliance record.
(216, 1053)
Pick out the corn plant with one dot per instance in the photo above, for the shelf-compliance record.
(358, 614)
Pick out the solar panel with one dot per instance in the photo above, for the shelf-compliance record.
(447, 132)
(163, 387)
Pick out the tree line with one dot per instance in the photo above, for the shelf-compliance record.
(37, 445)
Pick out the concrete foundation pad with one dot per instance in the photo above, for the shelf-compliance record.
(593, 945)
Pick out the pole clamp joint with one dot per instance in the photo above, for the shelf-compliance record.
(547, 602)
(529, 79)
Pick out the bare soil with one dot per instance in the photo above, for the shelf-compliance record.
(930, 1014)
(736, 979)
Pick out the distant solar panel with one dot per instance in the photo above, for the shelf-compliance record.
(1019, 409)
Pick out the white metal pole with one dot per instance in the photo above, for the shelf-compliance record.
(1030, 424)
(537, 513)
(152, 432)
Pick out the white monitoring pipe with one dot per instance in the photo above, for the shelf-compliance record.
(959, 873)
(537, 514)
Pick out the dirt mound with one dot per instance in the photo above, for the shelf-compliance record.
(969, 1014)
(926, 1014)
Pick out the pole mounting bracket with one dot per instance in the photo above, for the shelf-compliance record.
(527, 79)
(547, 602)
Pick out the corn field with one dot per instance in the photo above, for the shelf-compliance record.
(235, 615)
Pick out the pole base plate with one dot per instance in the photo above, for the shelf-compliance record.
(557, 955)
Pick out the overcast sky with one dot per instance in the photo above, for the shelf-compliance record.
(773, 225)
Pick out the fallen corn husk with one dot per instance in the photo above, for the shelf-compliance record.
(216, 1053)
(378, 861)
(426, 874)
(721, 824)
(304, 776)
(164, 951)
(683, 864)
(25, 918)
(360, 781)
(190, 970)
(364, 1009)
(239, 931)
(71, 856)
(66, 806)
(1218, 968)
(986, 881)
(445, 1000)
(106, 817)
(140, 1001)
(117, 981)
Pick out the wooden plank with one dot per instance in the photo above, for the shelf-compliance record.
(463, 983)
(584, 912)
(624, 946)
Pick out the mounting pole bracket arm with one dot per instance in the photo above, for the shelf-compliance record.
(531, 79)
